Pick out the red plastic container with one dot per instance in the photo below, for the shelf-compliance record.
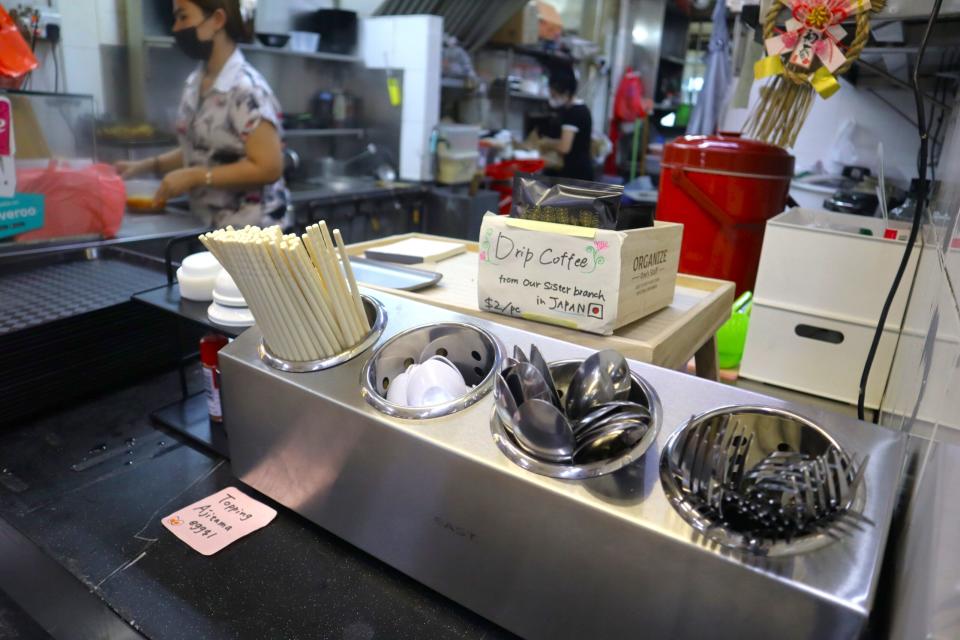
(501, 178)
(723, 189)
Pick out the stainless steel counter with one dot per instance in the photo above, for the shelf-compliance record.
(546, 558)
(136, 227)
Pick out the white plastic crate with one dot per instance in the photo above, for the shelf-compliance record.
(458, 138)
(817, 262)
(815, 355)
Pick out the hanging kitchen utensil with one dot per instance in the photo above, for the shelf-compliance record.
(804, 57)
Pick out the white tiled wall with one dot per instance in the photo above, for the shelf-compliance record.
(413, 44)
(85, 25)
(874, 120)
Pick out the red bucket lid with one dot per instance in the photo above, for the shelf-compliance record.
(728, 152)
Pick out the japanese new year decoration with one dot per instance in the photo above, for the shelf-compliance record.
(804, 58)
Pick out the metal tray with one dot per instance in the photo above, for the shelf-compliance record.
(392, 276)
(42, 289)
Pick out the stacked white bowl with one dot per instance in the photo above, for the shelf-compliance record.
(197, 275)
(229, 308)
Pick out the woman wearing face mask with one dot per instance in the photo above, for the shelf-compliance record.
(230, 159)
(576, 126)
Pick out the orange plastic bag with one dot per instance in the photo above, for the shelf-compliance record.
(77, 201)
(16, 59)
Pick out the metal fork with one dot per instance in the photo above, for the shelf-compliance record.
(700, 465)
(720, 463)
(738, 467)
(689, 438)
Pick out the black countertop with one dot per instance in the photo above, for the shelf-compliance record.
(89, 485)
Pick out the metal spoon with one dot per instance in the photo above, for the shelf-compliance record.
(601, 378)
(531, 384)
(604, 438)
(608, 410)
(612, 422)
(506, 403)
(537, 360)
(544, 432)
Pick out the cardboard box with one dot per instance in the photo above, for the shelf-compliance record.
(593, 280)
(522, 28)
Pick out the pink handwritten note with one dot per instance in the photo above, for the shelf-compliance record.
(210, 524)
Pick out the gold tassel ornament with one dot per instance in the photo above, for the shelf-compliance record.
(804, 59)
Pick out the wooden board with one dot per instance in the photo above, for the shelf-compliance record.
(668, 338)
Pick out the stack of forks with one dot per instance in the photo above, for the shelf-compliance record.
(783, 496)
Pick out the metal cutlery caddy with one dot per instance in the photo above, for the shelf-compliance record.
(446, 495)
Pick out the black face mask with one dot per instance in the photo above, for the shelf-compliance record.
(191, 44)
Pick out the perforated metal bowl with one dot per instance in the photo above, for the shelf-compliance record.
(615, 459)
(476, 353)
(376, 316)
(772, 430)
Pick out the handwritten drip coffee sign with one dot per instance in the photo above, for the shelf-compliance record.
(588, 279)
(210, 524)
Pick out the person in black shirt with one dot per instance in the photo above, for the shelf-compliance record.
(576, 126)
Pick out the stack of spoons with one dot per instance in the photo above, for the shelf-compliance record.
(593, 418)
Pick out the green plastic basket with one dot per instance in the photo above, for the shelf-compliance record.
(732, 336)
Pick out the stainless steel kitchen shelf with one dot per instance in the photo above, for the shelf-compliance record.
(456, 82)
(167, 41)
(322, 133)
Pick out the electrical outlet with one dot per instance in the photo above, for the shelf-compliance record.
(30, 16)
(48, 18)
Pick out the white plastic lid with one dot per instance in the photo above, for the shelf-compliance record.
(458, 155)
(199, 265)
(225, 291)
(230, 316)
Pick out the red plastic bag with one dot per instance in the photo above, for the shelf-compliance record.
(77, 201)
(628, 104)
(16, 59)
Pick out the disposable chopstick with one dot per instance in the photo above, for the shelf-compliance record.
(288, 319)
(329, 280)
(306, 253)
(264, 308)
(290, 311)
(313, 334)
(340, 281)
(300, 261)
(324, 336)
(302, 290)
(276, 332)
(223, 246)
(354, 291)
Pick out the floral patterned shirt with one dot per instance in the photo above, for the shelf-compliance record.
(212, 130)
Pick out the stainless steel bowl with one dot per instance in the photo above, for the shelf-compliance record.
(562, 372)
(772, 430)
(476, 353)
(376, 316)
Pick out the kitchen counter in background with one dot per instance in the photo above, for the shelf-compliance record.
(152, 230)
(353, 191)
(136, 227)
(363, 209)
